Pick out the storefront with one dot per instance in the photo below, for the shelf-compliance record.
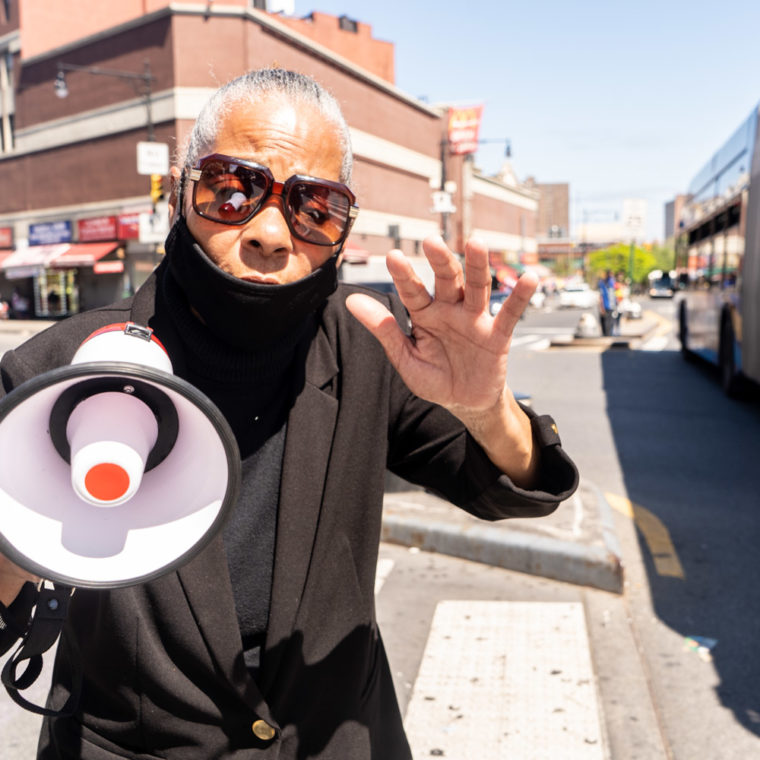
(53, 281)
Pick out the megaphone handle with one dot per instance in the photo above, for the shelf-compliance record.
(49, 617)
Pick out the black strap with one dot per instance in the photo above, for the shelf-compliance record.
(46, 624)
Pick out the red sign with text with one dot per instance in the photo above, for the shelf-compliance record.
(6, 237)
(464, 127)
(97, 228)
(128, 226)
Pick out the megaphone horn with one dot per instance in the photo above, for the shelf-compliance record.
(134, 468)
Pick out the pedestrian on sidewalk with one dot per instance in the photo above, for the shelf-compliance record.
(607, 302)
(266, 644)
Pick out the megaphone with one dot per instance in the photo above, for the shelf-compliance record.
(113, 471)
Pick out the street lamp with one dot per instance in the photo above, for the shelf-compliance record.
(142, 84)
(445, 152)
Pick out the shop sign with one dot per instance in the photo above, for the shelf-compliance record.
(96, 228)
(6, 237)
(50, 233)
(128, 226)
(108, 267)
(464, 126)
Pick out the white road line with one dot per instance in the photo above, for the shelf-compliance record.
(657, 343)
(506, 680)
(384, 567)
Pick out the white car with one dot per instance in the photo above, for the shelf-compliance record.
(578, 296)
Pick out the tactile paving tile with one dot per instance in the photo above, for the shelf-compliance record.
(503, 680)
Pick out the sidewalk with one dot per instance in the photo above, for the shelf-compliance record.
(576, 544)
(633, 332)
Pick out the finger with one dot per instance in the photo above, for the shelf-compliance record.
(447, 269)
(515, 305)
(410, 287)
(380, 322)
(477, 281)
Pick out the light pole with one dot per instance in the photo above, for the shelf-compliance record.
(142, 82)
(445, 148)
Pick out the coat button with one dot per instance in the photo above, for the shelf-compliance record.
(262, 730)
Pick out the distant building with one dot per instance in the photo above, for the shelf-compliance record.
(73, 207)
(673, 215)
(553, 222)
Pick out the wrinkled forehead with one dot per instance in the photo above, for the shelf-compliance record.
(295, 136)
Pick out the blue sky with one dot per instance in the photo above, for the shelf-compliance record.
(619, 100)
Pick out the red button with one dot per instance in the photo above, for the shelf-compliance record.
(106, 481)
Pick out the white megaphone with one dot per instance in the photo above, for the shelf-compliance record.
(113, 471)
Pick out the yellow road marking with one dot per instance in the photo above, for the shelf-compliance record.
(664, 325)
(655, 534)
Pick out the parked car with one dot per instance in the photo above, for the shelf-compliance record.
(578, 296)
(497, 299)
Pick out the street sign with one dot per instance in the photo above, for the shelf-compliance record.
(442, 203)
(155, 227)
(152, 158)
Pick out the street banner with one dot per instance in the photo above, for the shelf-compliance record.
(464, 126)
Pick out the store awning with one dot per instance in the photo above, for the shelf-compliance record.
(82, 255)
(30, 261)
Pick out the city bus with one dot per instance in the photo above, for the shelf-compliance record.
(717, 260)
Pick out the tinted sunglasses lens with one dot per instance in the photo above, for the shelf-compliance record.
(318, 214)
(228, 192)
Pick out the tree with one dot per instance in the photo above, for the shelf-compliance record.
(617, 258)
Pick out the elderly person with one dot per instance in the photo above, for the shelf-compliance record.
(266, 644)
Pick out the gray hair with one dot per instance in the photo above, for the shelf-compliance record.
(297, 88)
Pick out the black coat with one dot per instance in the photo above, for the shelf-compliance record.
(163, 664)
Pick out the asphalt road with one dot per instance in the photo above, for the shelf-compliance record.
(680, 463)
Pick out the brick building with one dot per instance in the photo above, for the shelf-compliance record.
(71, 197)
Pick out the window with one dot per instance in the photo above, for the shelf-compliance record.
(348, 24)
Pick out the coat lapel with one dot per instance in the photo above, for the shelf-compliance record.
(311, 425)
(205, 580)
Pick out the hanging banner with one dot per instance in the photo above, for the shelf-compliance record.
(464, 126)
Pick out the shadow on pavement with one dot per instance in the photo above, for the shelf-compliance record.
(699, 473)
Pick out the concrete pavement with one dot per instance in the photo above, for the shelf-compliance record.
(576, 544)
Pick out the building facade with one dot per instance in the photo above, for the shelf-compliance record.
(79, 225)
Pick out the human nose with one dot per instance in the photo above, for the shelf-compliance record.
(268, 230)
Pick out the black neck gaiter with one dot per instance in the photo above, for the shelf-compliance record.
(247, 315)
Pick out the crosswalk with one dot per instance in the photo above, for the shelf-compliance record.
(504, 679)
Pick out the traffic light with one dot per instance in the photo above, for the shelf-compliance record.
(156, 188)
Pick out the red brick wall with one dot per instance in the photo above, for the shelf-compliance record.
(373, 55)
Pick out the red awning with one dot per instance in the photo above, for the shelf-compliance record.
(32, 258)
(82, 255)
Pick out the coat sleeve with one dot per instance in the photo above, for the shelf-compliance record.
(432, 448)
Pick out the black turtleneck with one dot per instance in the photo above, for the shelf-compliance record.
(254, 390)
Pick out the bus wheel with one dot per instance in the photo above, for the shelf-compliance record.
(683, 333)
(730, 379)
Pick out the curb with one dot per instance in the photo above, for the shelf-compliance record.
(572, 562)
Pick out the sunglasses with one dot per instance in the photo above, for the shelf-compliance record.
(231, 191)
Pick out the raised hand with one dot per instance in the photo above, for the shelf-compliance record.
(456, 355)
